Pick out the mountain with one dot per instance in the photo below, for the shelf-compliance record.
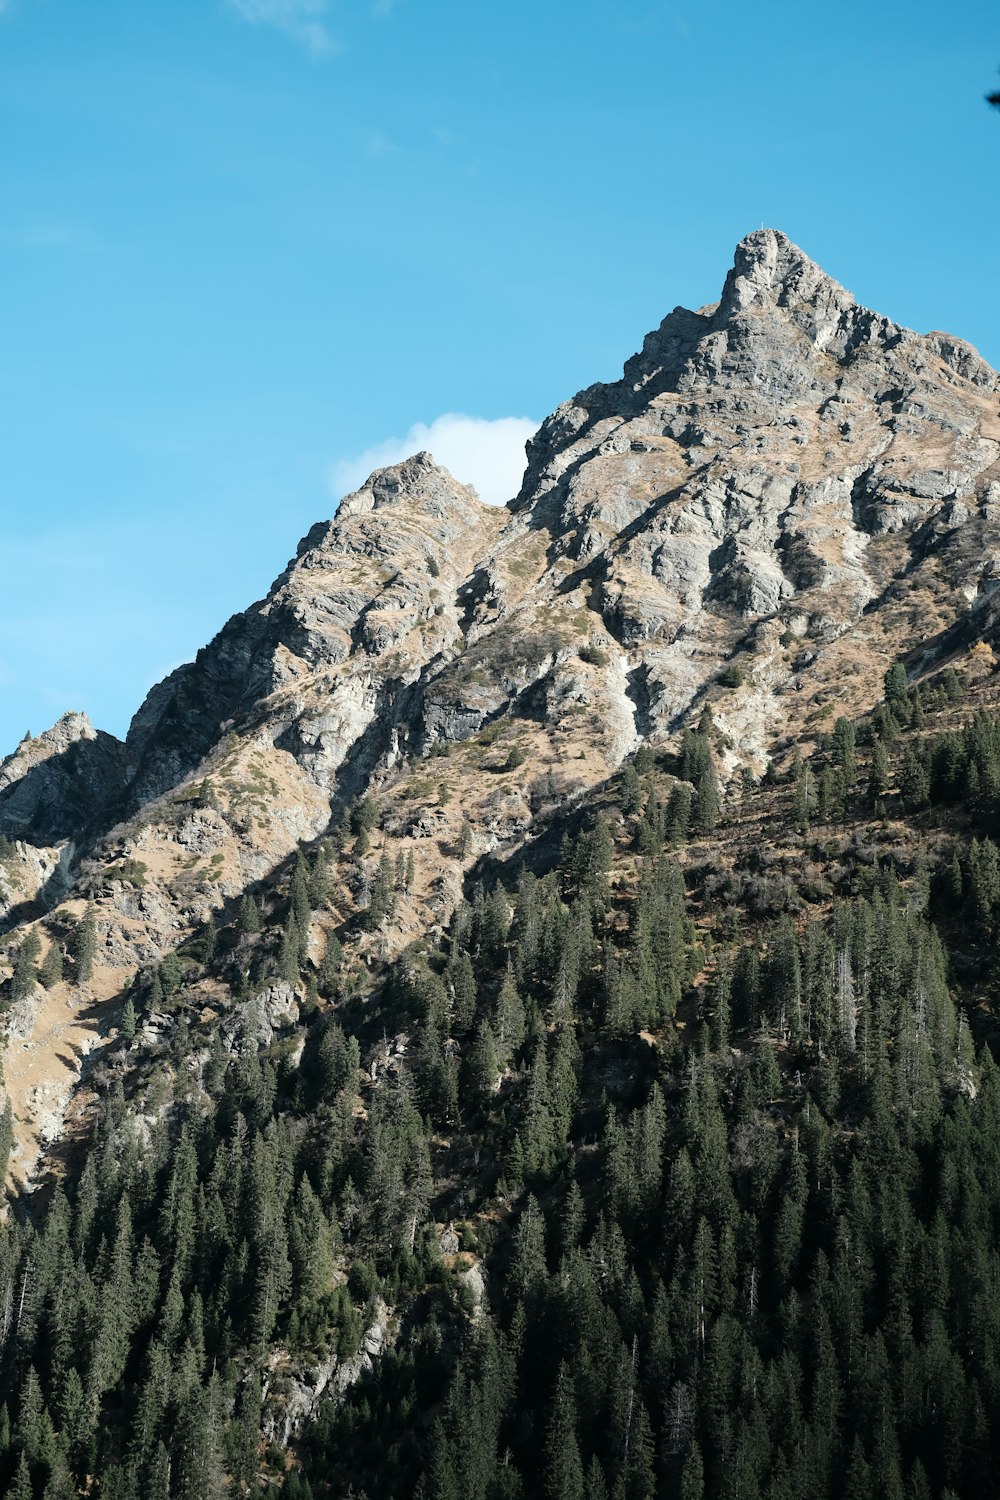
(526, 906)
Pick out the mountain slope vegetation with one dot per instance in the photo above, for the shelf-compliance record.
(525, 1027)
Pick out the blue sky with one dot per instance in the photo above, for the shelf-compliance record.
(245, 243)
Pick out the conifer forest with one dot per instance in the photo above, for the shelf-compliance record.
(669, 1177)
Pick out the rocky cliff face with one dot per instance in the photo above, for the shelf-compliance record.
(53, 786)
(783, 484)
(365, 605)
(765, 473)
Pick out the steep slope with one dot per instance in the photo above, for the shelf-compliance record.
(237, 758)
(765, 478)
(783, 492)
(422, 1074)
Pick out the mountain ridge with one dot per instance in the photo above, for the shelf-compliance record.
(738, 520)
(516, 1016)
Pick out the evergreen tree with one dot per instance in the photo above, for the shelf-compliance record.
(85, 945)
(299, 907)
(843, 747)
(22, 1488)
(128, 1022)
(693, 1475)
(51, 971)
(678, 816)
(897, 692)
(878, 776)
(630, 797)
(706, 804)
(484, 1067)
(6, 1138)
(290, 954)
(25, 977)
(563, 1467)
(248, 917)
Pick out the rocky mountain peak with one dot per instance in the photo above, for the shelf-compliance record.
(770, 271)
(68, 728)
(53, 783)
(418, 484)
(316, 993)
(783, 492)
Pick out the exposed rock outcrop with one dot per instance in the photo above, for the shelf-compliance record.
(55, 786)
(783, 482)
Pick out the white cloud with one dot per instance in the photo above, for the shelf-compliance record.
(301, 19)
(488, 455)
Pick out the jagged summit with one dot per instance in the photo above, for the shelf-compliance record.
(731, 489)
(782, 330)
(769, 269)
(54, 783)
(68, 728)
(771, 274)
(732, 486)
(419, 483)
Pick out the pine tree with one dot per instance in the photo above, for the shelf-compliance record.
(805, 795)
(678, 816)
(914, 781)
(897, 691)
(51, 971)
(290, 953)
(563, 1467)
(85, 945)
(858, 1485)
(29, 1428)
(706, 805)
(247, 917)
(154, 999)
(311, 1245)
(159, 1474)
(462, 984)
(528, 1269)
(843, 747)
(721, 1004)
(6, 1138)
(483, 1065)
(878, 776)
(22, 1488)
(25, 978)
(693, 1475)
(365, 816)
(127, 1028)
(298, 896)
(381, 901)
(537, 1132)
(328, 974)
(630, 794)
(509, 1027)
(319, 879)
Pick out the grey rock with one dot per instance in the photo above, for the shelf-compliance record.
(55, 786)
(767, 470)
(474, 1285)
(252, 1024)
(448, 1242)
(332, 1377)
